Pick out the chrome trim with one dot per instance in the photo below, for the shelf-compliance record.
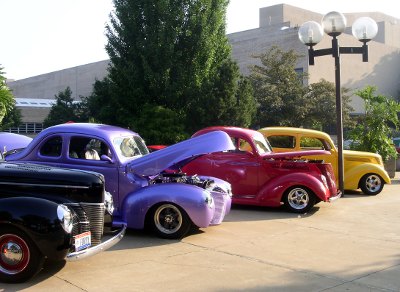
(82, 254)
(332, 199)
(83, 203)
(45, 185)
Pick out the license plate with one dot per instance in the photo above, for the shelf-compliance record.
(82, 241)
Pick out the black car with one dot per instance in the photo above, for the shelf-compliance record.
(51, 213)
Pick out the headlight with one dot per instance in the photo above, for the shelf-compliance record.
(209, 199)
(109, 203)
(65, 216)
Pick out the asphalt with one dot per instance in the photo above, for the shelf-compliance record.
(352, 244)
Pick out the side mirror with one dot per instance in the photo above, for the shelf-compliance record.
(105, 158)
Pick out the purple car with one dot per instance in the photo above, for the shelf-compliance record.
(149, 190)
(10, 142)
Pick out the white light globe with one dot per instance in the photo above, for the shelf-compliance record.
(310, 33)
(334, 23)
(364, 29)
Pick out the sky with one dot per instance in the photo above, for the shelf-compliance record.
(42, 36)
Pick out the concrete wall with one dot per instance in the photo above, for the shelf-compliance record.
(80, 79)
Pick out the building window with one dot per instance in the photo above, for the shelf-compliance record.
(27, 128)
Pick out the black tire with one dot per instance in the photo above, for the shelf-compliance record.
(169, 221)
(20, 259)
(299, 199)
(371, 184)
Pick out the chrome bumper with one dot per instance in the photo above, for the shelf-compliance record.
(332, 199)
(74, 256)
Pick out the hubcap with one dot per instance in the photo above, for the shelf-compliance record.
(168, 218)
(298, 198)
(14, 254)
(373, 183)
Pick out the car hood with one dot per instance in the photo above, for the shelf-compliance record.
(177, 155)
(293, 154)
(362, 156)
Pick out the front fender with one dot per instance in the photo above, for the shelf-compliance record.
(191, 199)
(38, 219)
(271, 193)
(353, 176)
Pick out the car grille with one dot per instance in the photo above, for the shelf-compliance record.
(89, 217)
(220, 207)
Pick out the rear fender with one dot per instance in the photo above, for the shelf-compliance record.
(353, 176)
(271, 193)
(191, 199)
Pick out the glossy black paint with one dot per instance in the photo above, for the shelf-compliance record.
(37, 218)
(30, 194)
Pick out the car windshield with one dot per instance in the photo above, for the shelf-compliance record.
(130, 146)
(261, 144)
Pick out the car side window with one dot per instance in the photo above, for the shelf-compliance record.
(88, 148)
(52, 147)
(310, 143)
(282, 141)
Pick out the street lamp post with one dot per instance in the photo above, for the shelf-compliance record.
(334, 23)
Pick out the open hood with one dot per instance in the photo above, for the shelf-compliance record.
(293, 154)
(177, 155)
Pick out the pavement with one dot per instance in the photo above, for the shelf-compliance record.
(352, 244)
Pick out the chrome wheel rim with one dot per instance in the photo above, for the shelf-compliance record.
(298, 198)
(168, 218)
(14, 254)
(373, 183)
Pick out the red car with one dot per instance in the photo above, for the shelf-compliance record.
(264, 178)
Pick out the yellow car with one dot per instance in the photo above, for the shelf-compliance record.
(362, 170)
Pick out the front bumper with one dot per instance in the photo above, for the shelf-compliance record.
(338, 195)
(79, 255)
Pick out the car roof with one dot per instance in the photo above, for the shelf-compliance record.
(232, 131)
(293, 130)
(100, 130)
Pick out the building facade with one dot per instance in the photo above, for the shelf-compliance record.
(278, 25)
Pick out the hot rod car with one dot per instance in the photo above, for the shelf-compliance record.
(262, 177)
(50, 213)
(148, 188)
(364, 170)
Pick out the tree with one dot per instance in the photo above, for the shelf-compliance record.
(7, 102)
(174, 55)
(283, 100)
(13, 118)
(279, 89)
(64, 110)
(322, 111)
(373, 133)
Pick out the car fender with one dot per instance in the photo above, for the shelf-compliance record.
(38, 219)
(191, 199)
(353, 176)
(271, 193)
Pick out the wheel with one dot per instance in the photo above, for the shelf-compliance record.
(371, 184)
(169, 221)
(299, 200)
(19, 257)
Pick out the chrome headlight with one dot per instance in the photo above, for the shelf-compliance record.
(109, 203)
(65, 216)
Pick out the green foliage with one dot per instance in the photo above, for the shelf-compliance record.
(373, 133)
(278, 89)
(64, 110)
(12, 119)
(283, 100)
(321, 98)
(175, 56)
(7, 102)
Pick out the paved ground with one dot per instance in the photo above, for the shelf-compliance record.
(352, 244)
